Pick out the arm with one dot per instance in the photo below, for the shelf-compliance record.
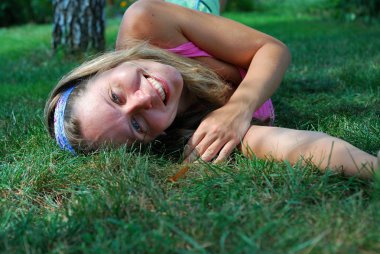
(167, 25)
(320, 149)
(266, 59)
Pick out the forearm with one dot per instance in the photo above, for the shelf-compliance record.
(264, 75)
(318, 148)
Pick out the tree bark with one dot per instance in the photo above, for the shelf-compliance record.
(78, 25)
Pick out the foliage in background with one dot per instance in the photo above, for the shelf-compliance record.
(241, 5)
(353, 9)
(40, 11)
(348, 10)
(24, 11)
(115, 8)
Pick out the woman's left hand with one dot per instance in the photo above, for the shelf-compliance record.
(218, 134)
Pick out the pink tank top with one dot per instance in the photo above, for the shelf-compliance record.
(265, 113)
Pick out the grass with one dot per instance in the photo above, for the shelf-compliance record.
(120, 201)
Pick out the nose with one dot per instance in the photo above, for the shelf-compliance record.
(139, 101)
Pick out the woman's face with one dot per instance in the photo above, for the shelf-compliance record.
(135, 101)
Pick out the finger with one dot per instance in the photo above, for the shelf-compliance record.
(226, 151)
(199, 150)
(195, 139)
(212, 150)
(204, 129)
(193, 156)
(200, 141)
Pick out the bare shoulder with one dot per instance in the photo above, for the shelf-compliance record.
(152, 20)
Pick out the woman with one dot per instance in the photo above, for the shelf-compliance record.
(196, 72)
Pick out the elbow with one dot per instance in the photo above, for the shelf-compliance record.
(285, 54)
(282, 51)
(288, 56)
(136, 23)
(279, 51)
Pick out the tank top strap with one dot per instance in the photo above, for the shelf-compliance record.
(190, 50)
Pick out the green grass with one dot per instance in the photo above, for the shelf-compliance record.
(120, 201)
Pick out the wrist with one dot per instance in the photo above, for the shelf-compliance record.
(244, 104)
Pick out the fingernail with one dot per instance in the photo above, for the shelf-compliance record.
(186, 149)
(193, 156)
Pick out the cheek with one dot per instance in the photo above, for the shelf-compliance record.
(159, 122)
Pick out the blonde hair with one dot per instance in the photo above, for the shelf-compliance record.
(201, 81)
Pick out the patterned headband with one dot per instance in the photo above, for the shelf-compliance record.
(59, 116)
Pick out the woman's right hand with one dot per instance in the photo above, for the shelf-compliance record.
(218, 134)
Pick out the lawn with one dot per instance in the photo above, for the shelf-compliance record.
(121, 201)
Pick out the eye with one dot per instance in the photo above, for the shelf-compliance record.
(115, 98)
(136, 125)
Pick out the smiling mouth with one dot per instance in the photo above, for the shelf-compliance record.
(159, 87)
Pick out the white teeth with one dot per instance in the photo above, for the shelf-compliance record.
(157, 85)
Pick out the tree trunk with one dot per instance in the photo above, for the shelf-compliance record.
(78, 25)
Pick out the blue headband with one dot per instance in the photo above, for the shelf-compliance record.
(59, 116)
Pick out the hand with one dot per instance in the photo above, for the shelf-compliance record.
(220, 132)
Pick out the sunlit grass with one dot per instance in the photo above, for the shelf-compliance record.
(121, 201)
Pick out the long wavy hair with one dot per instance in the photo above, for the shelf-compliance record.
(204, 83)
